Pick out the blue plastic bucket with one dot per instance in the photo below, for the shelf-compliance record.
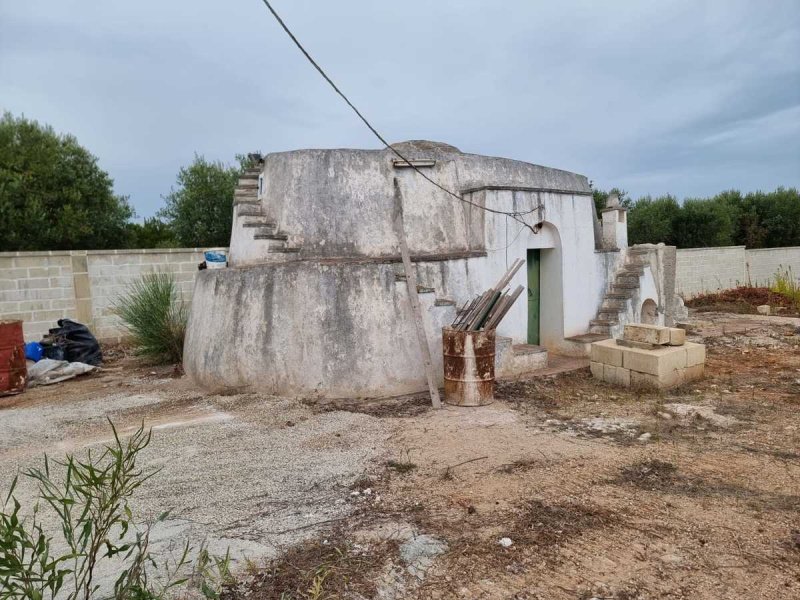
(216, 258)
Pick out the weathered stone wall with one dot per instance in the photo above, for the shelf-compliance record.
(701, 270)
(42, 287)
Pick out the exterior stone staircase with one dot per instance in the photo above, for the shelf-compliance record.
(249, 214)
(612, 315)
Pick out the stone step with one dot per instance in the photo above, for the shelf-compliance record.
(632, 271)
(622, 286)
(250, 174)
(252, 201)
(637, 262)
(603, 322)
(602, 330)
(632, 280)
(285, 249)
(626, 295)
(267, 233)
(609, 314)
(247, 184)
(421, 289)
(613, 303)
(259, 223)
(250, 211)
(638, 250)
(587, 338)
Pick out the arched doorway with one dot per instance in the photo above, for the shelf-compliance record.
(544, 287)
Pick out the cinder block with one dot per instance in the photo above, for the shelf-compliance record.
(80, 263)
(31, 261)
(596, 369)
(37, 283)
(607, 352)
(659, 363)
(617, 375)
(644, 380)
(649, 334)
(677, 337)
(695, 354)
(693, 373)
(34, 305)
(82, 287)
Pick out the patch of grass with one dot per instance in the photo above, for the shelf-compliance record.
(153, 311)
(657, 475)
(546, 525)
(651, 474)
(320, 569)
(787, 285)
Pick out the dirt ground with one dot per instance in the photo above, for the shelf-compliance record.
(563, 488)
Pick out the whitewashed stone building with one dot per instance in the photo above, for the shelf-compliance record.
(315, 300)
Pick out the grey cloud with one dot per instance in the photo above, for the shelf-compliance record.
(678, 96)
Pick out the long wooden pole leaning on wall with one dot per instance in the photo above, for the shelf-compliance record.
(413, 296)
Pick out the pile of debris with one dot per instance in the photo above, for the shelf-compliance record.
(485, 312)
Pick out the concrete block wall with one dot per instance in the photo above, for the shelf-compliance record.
(762, 264)
(701, 270)
(36, 287)
(42, 287)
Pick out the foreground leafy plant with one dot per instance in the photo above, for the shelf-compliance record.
(90, 498)
(155, 314)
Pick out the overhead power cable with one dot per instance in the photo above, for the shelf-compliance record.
(513, 214)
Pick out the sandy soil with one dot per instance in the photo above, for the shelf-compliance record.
(597, 492)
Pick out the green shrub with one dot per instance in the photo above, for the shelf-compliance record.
(89, 498)
(155, 314)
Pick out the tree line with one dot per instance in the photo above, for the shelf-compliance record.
(731, 218)
(54, 196)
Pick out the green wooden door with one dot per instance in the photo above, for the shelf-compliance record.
(534, 261)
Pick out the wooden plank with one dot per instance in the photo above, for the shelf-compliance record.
(509, 303)
(416, 309)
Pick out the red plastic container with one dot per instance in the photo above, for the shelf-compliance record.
(13, 369)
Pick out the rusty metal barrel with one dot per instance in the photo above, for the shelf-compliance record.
(468, 366)
(13, 369)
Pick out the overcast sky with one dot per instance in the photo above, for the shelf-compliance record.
(688, 98)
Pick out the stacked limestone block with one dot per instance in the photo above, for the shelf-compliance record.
(648, 356)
